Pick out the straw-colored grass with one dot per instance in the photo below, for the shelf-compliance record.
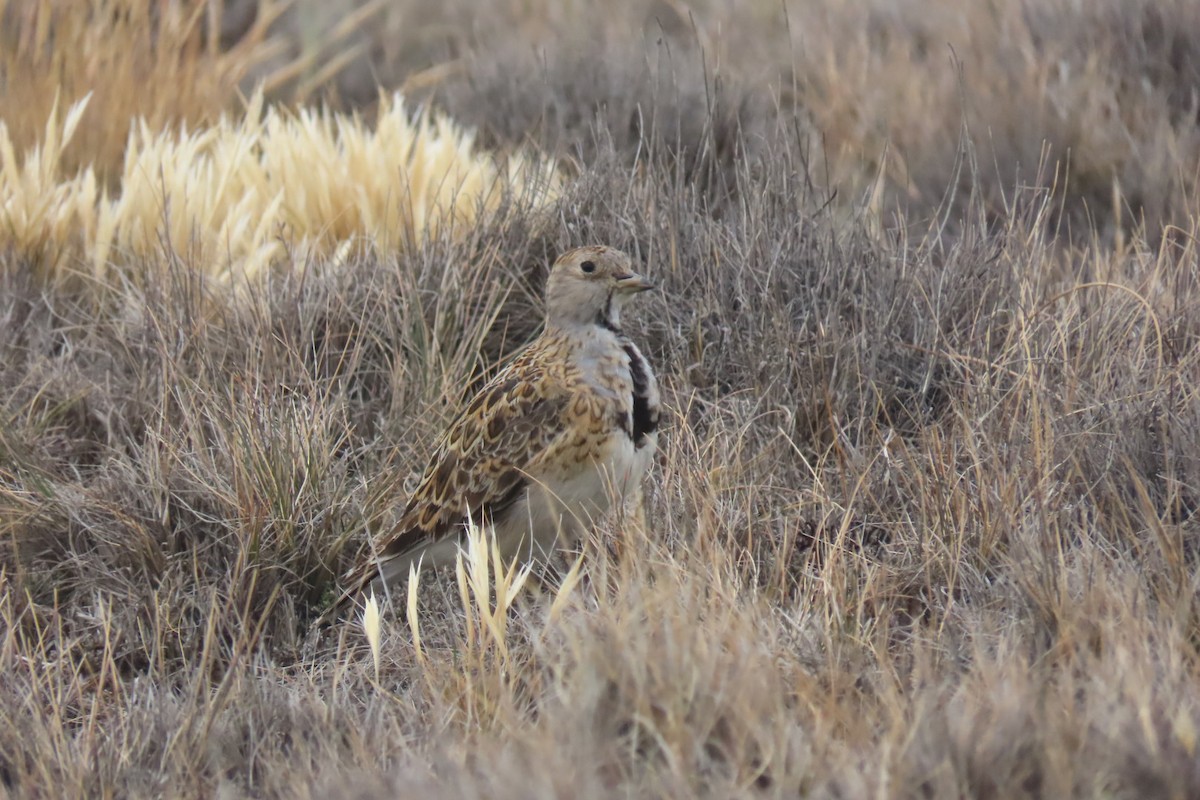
(139, 59)
(265, 187)
(923, 523)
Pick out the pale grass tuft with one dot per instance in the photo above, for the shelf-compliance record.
(479, 581)
(266, 187)
(565, 589)
(373, 628)
(414, 619)
(158, 61)
(42, 215)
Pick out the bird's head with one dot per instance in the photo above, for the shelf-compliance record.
(590, 285)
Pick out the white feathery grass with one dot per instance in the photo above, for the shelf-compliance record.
(414, 620)
(482, 573)
(373, 627)
(41, 216)
(563, 593)
(242, 195)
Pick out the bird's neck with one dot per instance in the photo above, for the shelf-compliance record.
(610, 315)
(607, 317)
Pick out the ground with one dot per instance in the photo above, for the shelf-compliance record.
(923, 523)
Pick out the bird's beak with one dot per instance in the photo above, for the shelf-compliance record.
(632, 283)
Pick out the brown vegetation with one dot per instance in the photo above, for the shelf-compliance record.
(924, 521)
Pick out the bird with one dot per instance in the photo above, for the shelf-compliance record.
(561, 435)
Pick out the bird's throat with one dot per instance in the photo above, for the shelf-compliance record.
(610, 316)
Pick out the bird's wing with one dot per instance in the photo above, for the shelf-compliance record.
(481, 464)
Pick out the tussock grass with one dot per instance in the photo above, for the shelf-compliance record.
(231, 200)
(104, 169)
(161, 62)
(891, 99)
(923, 523)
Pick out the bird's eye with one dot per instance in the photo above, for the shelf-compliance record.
(588, 266)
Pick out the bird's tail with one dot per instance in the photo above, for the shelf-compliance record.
(379, 576)
(357, 582)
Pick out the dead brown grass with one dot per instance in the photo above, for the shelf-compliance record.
(159, 61)
(924, 521)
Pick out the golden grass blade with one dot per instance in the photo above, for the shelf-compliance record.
(230, 194)
(562, 595)
(414, 619)
(373, 627)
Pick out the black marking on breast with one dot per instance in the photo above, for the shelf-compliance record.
(645, 418)
(624, 423)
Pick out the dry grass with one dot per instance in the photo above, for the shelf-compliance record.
(924, 520)
(159, 61)
(892, 97)
(230, 198)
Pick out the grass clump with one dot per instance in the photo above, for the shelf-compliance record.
(231, 198)
(161, 62)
